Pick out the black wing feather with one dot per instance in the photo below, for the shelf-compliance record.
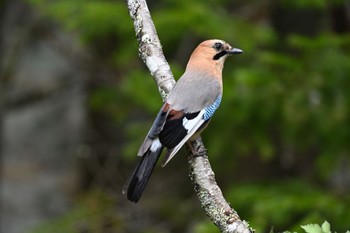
(174, 131)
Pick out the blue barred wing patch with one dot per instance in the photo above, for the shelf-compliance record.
(210, 110)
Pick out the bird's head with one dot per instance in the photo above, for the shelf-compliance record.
(212, 52)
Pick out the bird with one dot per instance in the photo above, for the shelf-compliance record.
(185, 113)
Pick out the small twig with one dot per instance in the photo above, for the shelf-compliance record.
(202, 176)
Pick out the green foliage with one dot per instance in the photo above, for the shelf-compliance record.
(93, 212)
(314, 228)
(101, 25)
(287, 203)
(91, 19)
(309, 4)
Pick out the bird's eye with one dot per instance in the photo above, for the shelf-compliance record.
(217, 46)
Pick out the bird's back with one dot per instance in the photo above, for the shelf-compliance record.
(194, 91)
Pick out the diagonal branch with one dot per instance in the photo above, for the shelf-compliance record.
(209, 193)
(202, 176)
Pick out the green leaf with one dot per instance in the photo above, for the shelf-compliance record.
(312, 228)
(326, 227)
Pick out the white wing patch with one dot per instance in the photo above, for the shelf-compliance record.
(155, 145)
(189, 124)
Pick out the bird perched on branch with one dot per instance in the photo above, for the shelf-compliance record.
(185, 113)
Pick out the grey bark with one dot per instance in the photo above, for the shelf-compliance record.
(208, 192)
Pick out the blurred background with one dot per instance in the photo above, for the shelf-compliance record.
(77, 101)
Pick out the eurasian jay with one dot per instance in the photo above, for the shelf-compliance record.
(185, 113)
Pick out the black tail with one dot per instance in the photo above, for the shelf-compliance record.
(137, 182)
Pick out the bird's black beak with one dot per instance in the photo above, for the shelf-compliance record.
(234, 51)
(227, 52)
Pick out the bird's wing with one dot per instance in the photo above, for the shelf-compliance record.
(179, 132)
(180, 126)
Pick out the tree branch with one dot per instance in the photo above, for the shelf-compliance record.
(202, 176)
(209, 193)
